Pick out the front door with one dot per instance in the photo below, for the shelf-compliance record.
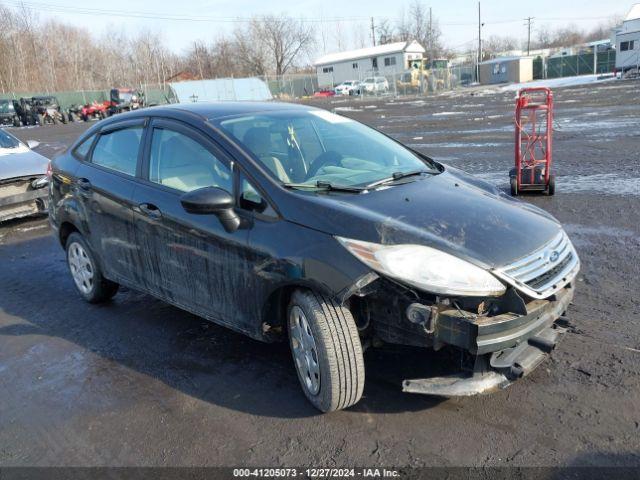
(189, 259)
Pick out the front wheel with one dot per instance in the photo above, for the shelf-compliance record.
(326, 350)
(86, 273)
(514, 186)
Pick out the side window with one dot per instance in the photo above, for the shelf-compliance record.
(118, 150)
(82, 150)
(180, 162)
(251, 200)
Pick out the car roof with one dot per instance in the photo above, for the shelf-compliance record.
(213, 110)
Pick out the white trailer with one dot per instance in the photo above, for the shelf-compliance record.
(381, 60)
(627, 42)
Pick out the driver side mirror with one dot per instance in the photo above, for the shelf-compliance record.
(212, 201)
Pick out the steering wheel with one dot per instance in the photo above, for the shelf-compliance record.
(326, 159)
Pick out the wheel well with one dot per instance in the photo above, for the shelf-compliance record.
(275, 309)
(66, 229)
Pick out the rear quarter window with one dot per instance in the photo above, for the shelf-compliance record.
(82, 150)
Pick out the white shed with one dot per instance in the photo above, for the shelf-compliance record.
(627, 41)
(387, 59)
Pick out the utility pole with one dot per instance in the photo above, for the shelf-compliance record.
(373, 32)
(479, 45)
(430, 37)
(528, 20)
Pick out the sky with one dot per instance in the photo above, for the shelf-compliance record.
(206, 19)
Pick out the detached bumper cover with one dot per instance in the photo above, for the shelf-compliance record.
(500, 371)
(17, 200)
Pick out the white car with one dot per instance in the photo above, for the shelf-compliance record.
(23, 176)
(349, 87)
(375, 85)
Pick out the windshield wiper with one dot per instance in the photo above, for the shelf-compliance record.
(324, 185)
(400, 175)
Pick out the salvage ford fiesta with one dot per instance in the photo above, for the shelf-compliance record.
(286, 222)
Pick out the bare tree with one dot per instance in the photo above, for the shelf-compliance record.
(284, 39)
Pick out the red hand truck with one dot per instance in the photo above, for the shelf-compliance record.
(534, 128)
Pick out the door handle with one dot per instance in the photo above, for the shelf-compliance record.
(150, 210)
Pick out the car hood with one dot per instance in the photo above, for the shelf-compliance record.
(20, 162)
(452, 211)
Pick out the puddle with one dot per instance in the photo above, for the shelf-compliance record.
(604, 183)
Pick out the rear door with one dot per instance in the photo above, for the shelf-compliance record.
(104, 186)
(189, 259)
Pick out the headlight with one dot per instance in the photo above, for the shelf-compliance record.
(426, 268)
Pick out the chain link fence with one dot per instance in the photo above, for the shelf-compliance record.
(581, 64)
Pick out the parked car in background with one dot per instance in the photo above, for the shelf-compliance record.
(375, 85)
(22, 178)
(286, 222)
(349, 87)
(324, 93)
(8, 114)
(47, 110)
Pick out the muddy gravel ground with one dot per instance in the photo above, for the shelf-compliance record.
(138, 382)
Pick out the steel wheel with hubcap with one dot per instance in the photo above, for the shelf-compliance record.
(81, 267)
(86, 273)
(305, 353)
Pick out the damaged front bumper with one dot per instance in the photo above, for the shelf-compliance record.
(22, 197)
(507, 346)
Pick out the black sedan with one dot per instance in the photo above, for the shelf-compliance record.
(289, 222)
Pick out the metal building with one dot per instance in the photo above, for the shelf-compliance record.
(506, 70)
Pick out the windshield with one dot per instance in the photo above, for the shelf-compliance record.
(125, 97)
(308, 148)
(8, 141)
(6, 106)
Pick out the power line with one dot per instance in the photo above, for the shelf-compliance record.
(53, 8)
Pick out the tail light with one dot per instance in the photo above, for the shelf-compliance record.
(49, 170)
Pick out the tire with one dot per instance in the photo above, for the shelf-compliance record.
(40, 119)
(92, 286)
(551, 187)
(514, 186)
(335, 346)
(64, 117)
(17, 122)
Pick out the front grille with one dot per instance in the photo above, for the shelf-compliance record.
(545, 271)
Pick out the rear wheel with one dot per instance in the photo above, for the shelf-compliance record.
(551, 187)
(40, 119)
(64, 117)
(86, 273)
(326, 350)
